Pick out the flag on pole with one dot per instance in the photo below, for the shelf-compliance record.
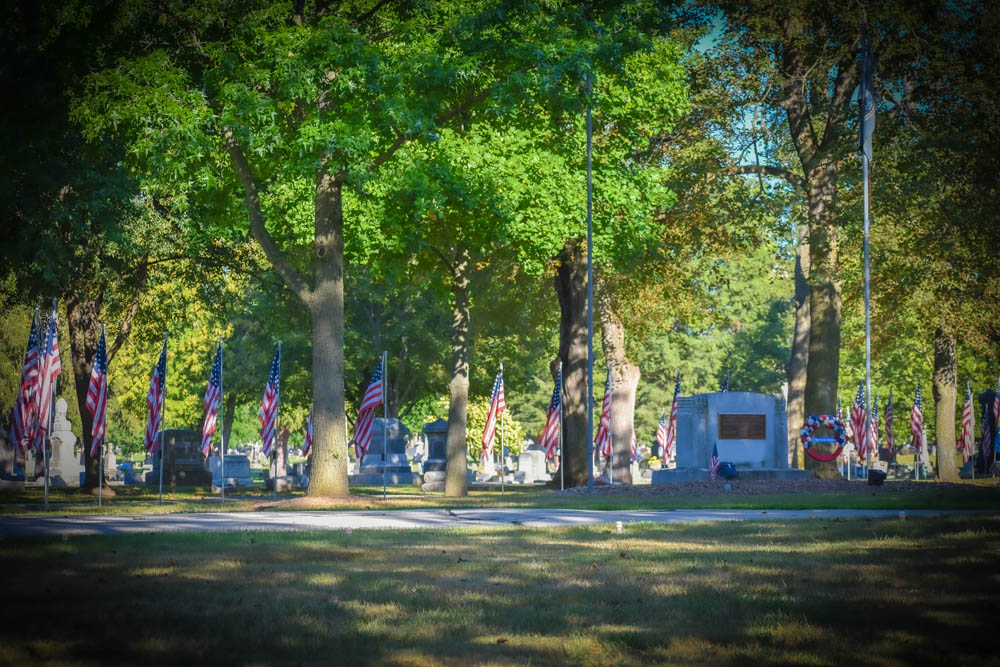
(97, 396)
(602, 442)
(213, 397)
(268, 413)
(713, 468)
(363, 427)
(661, 435)
(986, 433)
(889, 418)
(996, 410)
(872, 440)
(858, 421)
(51, 369)
(635, 450)
(154, 401)
(670, 443)
(967, 445)
(866, 96)
(550, 434)
(26, 405)
(309, 435)
(919, 442)
(498, 404)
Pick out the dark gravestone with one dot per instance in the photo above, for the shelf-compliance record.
(437, 446)
(390, 435)
(183, 463)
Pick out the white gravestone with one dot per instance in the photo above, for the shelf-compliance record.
(64, 467)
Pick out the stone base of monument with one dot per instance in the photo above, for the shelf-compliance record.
(674, 475)
(434, 480)
(11, 485)
(367, 478)
(286, 483)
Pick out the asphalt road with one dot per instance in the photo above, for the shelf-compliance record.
(406, 519)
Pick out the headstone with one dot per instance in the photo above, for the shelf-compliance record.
(437, 445)
(237, 470)
(749, 430)
(183, 463)
(434, 480)
(390, 435)
(531, 463)
(64, 466)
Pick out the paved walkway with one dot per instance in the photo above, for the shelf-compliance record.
(406, 519)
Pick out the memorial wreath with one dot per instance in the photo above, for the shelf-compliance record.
(832, 423)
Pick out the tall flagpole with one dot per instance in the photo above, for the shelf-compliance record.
(501, 433)
(590, 295)
(868, 322)
(100, 473)
(274, 434)
(385, 420)
(47, 445)
(163, 414)
(611, 437)
(222, 433)
(562, 456)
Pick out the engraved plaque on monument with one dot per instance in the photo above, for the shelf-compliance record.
(742, 427)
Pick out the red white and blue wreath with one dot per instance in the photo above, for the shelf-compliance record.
(832, 423)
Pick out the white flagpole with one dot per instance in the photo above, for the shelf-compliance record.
(274, 433)
(163, 413)
(501, 432)
(611, 437)
(222, 433)
(562, 457)
(590, 295)
(100, 472)
(385, 421)
(47, 445)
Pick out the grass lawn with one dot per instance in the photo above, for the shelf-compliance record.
(982, 494)
(803, 592)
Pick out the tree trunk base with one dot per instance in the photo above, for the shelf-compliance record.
(826, 472)
(94, 491)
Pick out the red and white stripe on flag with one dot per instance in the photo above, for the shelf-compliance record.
(268, 413)
(24, 423)
(154, 401)
(550, 434)
(309, 436)
(498, 404)
(858, 421)
(602, 441)
(51, 369)
(365, 423)
(213, 397)
(917, 422)
(97, 396)
(967, 444)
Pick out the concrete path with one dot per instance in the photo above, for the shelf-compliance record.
(407, 519)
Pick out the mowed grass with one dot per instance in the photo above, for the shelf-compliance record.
(981, 494)
(811, 592)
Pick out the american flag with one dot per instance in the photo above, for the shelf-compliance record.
(268, 413)
(97, 396)
(996, 408)
(50, 370)
(363, 427)
(635, 450)
(661, 435)
(858, 420)
(497, 405)
(919, 442)
(309, 435)
(213, 397)
(154, 400)
(602, 442)
(872, 440)
(669, 445)
(23, 425)
(553, 420)
(967, 445)
(987, 436)
(889, 417)
(713, 468)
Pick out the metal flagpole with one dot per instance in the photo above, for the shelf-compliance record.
(163, 415)
(562, 457)
(385, 421)
(100, 471)
(590, 295)
(274, 433)
(222, 433)
(501, 434)
(611, 437)
(47, 444)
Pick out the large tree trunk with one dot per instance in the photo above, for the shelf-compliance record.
(329, 465)
(824, 301)
(797, 361)
(82, 314)
(945, 392)
(624, 381)
(571, 288)
(456, 480)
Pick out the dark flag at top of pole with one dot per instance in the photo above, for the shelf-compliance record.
(97, 396)
(866, 96)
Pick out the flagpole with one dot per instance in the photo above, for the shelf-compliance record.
(501, 433)
(46, 441)
(163, 412)
(274, 433)
(562, 457)
(100, 471)
(222, 434)
(385, 421)
(611, 437)
(590, 294)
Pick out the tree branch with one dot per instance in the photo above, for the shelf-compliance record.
(133, 308)
(288, 273)
(769, 170)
